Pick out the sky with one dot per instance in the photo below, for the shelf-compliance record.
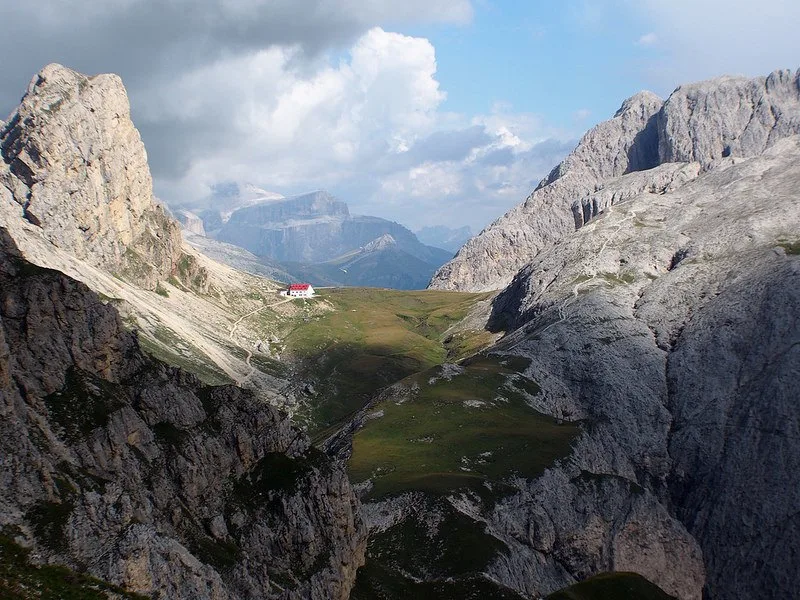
(427, 112)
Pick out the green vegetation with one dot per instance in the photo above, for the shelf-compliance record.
(372, 339)
(790, 247)
(414, 560)
(48, 520)
(191, 274)
(612, 586)
(376, 582)
(439, 435)
(83, 404)
(22, 580)
(276, 472)
(161, 290)
(222, 555)
(166, 346)
(618, 279)
(270, 366)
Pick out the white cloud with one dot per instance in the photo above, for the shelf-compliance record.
(366, 126)
(648, 39)
(258, 115)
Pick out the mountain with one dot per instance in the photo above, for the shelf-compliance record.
(648, 297)
(136, 473)
(441, 236)
(699, 124)
(313, 235)
(118, 466)
(76, 196)
(313, 228)
(72, 136)
(379, 263)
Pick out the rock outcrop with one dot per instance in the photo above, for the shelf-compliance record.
(190, 222)
(75, 167)
(702, 123)
(118, 465)
(668, 325)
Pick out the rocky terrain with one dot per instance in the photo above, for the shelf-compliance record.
(651, 281)
(76, 195)
(76, 168)
(638, 413)
(699, 123)
(134, 472)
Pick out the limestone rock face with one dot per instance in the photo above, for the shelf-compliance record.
(701, 123)
(668, 325)
(119, 465)
(628, 142)
(190, 222)
(75, 166)
(729, 116)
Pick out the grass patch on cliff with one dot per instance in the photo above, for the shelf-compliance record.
(20, 579)
(439, 434)
(792, 248)
(167, 347)
(436, 552)
(84, 403)
(377, 582)
(612, 586)
(372, 339)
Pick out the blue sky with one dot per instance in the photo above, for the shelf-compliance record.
(423, 111)
(541, 58)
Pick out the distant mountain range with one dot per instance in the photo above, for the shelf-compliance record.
(313, 237)
(442, 236)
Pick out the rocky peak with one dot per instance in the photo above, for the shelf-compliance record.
(702, 123)
(627, 142)
(381, 243)
(315, 205)
(729, 116)
(75, 167)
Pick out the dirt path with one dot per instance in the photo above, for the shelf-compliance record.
(246, 378)
(593, 271)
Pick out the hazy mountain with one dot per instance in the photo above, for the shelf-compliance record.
(444, 237)
(380, 263)
(308, 236)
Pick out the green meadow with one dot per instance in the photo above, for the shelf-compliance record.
(440, 432)
(371, 339)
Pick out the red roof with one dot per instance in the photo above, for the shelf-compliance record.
(297, 287)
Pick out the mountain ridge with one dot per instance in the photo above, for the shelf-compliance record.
(739, 117)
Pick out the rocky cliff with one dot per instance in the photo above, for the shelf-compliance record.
(75, 167)
(699, 123)
(119, 466)
(668, 324)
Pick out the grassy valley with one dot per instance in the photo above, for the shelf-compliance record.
(457, 427)
(351, 342)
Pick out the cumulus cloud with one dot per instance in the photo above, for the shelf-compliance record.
(158, 39)
(291, 95)
(367, 126)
